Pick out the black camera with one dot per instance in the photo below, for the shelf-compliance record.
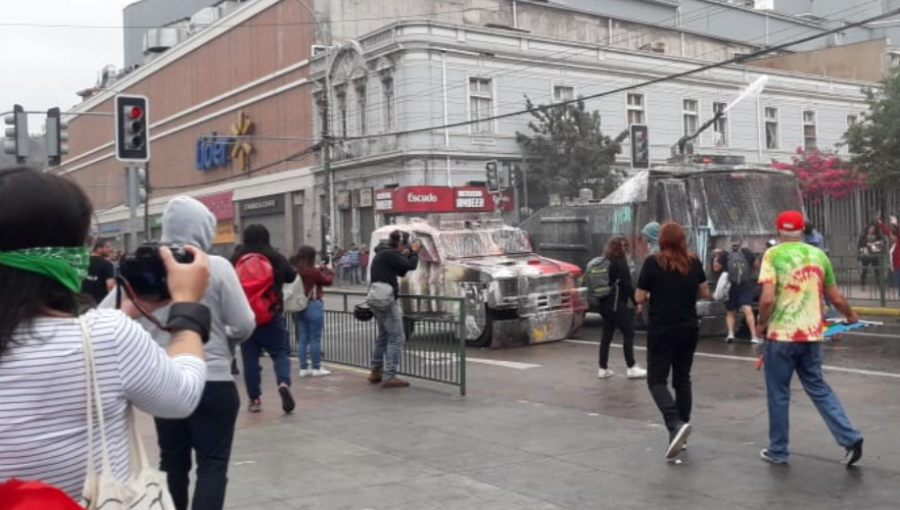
(145, 271)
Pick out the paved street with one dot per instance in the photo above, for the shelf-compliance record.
(545, 433)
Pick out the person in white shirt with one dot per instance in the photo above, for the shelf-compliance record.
(44, 228)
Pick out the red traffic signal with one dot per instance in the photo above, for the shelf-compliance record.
(132, 128)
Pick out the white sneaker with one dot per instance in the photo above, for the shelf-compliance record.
(604, 373)
(319, 372)
(305, 372)
(756, 340)
(729, 339)
(637, 372)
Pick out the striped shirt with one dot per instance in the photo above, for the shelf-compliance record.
(43, 416)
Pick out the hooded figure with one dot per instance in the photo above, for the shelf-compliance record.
(651, 233)
(187, 221)
(209, 431)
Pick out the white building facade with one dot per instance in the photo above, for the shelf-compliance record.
(393, 84)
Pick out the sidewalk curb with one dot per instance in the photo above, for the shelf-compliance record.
(878, 311)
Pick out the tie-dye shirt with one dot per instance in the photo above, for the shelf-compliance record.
(800, 273)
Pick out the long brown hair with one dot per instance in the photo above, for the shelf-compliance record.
(673, 254)
(616, 248)
(305, 258)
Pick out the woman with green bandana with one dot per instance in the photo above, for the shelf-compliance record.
(44, 226)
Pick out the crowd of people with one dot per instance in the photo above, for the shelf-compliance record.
(172, 357)
(796, 279)
(68, 316)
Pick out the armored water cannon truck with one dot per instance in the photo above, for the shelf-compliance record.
(513, 296)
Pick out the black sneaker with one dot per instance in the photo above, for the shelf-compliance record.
(676, 440)
(854, 453)
(764, 455)
(287, 400)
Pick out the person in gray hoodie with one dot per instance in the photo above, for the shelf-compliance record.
(209, 431)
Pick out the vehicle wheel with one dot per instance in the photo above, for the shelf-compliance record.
(484, 321)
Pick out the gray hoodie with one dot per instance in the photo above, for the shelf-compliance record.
(187, 221)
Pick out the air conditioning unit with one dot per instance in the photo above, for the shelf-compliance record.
(204, 18)
(158, 40)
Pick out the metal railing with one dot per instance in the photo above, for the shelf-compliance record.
(435, 348)
(866, 279)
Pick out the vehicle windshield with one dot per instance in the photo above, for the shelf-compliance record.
(481, 243)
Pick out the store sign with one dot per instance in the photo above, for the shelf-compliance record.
(343, 200)
(263, 206)
(365, 198)
(110, 228)
(213, 151)
(384, 200)
(220, 204)
(414, 199)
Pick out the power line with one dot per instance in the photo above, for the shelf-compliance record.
(735, 60)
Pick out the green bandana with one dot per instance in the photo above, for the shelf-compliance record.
(67, 265)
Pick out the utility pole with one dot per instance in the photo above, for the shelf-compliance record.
(327, 231)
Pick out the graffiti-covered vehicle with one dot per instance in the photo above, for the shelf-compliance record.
(714, 202)
(512, 295)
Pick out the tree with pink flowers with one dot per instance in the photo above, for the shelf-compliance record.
(823, 174)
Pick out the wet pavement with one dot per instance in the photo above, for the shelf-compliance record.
(544, 433)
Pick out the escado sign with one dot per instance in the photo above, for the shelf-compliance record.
(430, 198)
(438, 199)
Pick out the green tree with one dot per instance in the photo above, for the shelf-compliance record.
(567, 151)
(875, 140)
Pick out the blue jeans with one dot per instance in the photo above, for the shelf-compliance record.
(782, 359)
(273, 338)
(390, 339)
(310, 323)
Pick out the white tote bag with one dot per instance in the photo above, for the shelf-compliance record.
(722, 288)
(296, 299)
(147, 488)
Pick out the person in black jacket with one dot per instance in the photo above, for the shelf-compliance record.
(616, 309)
(272, 336)
(392, 261)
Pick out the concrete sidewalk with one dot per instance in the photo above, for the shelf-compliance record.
(354, 446)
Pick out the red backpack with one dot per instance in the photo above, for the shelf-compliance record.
(257, 277)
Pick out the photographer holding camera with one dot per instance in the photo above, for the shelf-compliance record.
(209, 431)
(44, 237)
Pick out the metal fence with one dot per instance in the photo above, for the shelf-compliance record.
(866, 280)
(435, 348)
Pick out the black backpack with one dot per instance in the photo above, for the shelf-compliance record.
(738, 268)
(596, 279)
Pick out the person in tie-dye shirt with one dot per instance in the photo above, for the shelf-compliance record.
(794, 277)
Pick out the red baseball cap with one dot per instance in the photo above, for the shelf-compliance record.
(790, 222)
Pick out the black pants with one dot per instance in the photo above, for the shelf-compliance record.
(623, 319)
(875, 264)
(672, 348)
(209, 432)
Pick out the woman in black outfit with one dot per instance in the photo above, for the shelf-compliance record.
(616, 309)
(674, 280)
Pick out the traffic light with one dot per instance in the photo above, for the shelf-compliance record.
(57, 136)
(17, 140)
(132, 133)
(135, 186)
(640, 147)
(493, 177)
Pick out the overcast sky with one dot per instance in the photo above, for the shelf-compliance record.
(43, 67)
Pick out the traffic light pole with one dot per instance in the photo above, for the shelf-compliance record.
(131, 194)
(147, 203)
